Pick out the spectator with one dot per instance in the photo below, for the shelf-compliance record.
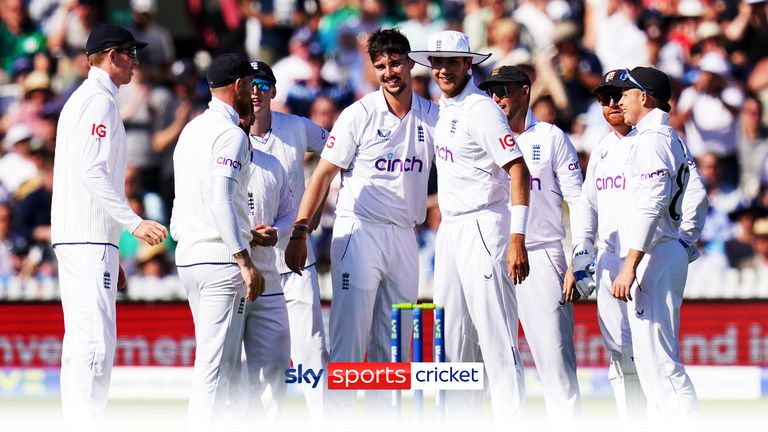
(160, 52)
(534, 16)
(739, 250)
(36, 92)
(421, 21)
(6, 269)
(275, 20)
(505, 46)
(219, 24)
(481, 21)
(72, 23)
(302, 93)
(708, 111)
(152, 280)
(759, 261)
(296, 66)
(752, 146)
(17, 166)
(620, 42)
(32, 216)
(18, 35)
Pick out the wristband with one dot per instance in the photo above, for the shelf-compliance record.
(301, 227)
(518, 219)
(297, 237)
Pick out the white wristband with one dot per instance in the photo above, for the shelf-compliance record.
(518, 220)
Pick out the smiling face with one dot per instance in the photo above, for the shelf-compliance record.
(631, 103)
(513, 99)
(393, 72)
(263, 93)
(609, 100)
(451, 73)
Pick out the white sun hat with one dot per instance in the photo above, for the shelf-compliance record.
(447, 43)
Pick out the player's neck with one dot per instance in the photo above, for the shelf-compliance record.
(517, 122)
(400, 104)
(262, 123)
(622, 131)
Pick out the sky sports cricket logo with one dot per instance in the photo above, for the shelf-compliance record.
(392, 376)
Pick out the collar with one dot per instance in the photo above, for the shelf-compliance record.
(225, 109)
(654, 118)
(468, 90)
(530, 120)
(102, 78)
(381, 101)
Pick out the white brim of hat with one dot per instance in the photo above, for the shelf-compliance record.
(422, 57)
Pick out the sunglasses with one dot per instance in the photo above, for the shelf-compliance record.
(261, 85)
(606, 97)
(626, 76)
(130, 51)
(500, 90)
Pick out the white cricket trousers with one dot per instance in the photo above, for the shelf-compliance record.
(267, 347)
(305, 317)
(614, 326)
(654, 319)
(88, 281)
(471, 282)
(548, 324)
(216, 298)
(372, 267)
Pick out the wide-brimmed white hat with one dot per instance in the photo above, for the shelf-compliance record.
(447, 43)
(715, 63)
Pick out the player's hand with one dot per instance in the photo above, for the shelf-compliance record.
(569, 293)
(691, 250)
(254, 282)
(151, 232)
(120, 277)
(517, 259)
(264, 235)
(296, 255)
(623, 283)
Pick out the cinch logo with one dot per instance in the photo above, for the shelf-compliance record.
(605, 183)
(443, 153)
(573, 166)
(389, 164)
(507, 142)
(404, 376)
(535, 183)
(99, 130)
(231, 162)
(299, 375)
(658, 173)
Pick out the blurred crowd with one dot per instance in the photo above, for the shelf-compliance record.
(716, 52)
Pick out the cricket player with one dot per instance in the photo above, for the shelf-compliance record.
(659, 213)
(480, 245)
(555, 176)
(88, 212)
(266, 336)
(210, 223)
(383, 146)
(287, 137)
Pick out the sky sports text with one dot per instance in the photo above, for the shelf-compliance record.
(393, 376)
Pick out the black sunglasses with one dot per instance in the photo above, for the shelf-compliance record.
(500, 90)
(606, 97)
(131, 51)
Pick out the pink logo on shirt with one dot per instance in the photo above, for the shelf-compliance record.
(507, 142)
(230, 162)
(391, 164)
(608, 182)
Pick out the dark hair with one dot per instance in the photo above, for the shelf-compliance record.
(388, 41)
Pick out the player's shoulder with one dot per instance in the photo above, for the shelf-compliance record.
(265, 161)
(364, 108)
(428, 110)
(287, 119)
(550, 130)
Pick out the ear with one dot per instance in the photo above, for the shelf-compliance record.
(411, 63)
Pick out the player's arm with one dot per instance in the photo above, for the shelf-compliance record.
(316, 137)
(264, 235)
(95, 165)
(224, 184)
(580, 283)
(296, 251)
(650, 160)
(695, 206)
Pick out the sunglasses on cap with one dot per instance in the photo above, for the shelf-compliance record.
(626, 76)
(605, 97)
(262, 85)
(499, 90)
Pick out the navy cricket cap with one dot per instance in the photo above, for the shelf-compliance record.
(609, 82)
(106, 36)
(506, 74)
(649, 80)
(263, 71)
(227, 68)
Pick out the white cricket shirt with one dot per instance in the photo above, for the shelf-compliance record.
(555, 176)
(385, 161)
(89, 204)
(287, 140)
(210, 145)
(270, 202)
(472, 144)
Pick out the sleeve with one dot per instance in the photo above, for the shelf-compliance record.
(491, 131)
(695, 205)
(224, 214)
(228, 151)
(341, 147)
(98, 130)
(286, 207)
(650, 161)
(584, 212)
(316, 136)
(566, 167)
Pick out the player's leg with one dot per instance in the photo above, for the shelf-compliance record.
(356, 268)
(267, 344)
(460, 336)
(654, 316)
(492, 306)
(612, 319)
(302, 296)
(88, 281)
(218, 334)
(548, 324)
